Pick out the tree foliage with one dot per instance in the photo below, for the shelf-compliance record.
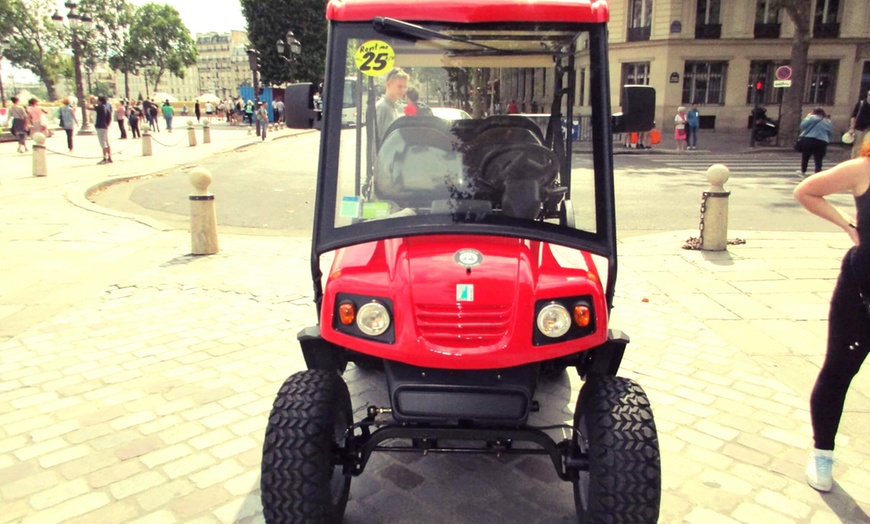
(30, 40)
(159, 42)
(269, 20)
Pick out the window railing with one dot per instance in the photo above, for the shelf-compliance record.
(829, 30)
(767, 30)
(708, 31)
(638, 34)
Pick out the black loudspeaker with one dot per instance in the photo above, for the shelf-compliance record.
(299, 110)
(638, 108)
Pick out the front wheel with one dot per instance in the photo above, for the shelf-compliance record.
(302, 479)
(614, 428)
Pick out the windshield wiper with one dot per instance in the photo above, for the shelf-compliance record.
(383, 24)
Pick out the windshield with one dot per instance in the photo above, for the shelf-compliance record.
(452, 126)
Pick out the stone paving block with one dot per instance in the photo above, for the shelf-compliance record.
(220, 472)
(68, 509)
(750, 512)
(30, 484)
(136, 484)
(88, 464)
(114, 513)
(198, 501)
(162, 516)
(138, 447)
(51, 460)
(57, 494)
(163, 455)
(707, 516)
(187, 465)
(114, 473)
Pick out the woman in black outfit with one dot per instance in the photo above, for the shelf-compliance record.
(849, 316)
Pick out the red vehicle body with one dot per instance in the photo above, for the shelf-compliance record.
(493, 331)
(471, 259)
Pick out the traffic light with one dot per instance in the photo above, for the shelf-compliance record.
(759, 85)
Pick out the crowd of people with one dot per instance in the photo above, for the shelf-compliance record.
(130, 116)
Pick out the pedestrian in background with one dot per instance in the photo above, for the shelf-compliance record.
(197, 111)
(249, 113)
(120, 117)
(18, 116)
(103, 111)
(68, 121)
(168, 113)
(152, 117)
(816, 132)
(859, 123)
(263, 119)
(693, 122)
(36, 114)
(134, 122)
(849, 316)
(680, 122)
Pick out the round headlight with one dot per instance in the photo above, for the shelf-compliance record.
(554, 320)
(373, 319)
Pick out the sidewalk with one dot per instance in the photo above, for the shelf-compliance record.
(135, 380)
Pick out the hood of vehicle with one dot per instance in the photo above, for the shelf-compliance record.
(465, 290)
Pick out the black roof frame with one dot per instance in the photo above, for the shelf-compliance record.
(602, 242)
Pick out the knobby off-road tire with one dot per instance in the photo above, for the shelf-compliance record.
(617, 431)
(301, 482)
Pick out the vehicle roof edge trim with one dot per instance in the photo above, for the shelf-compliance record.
(471, 11)
(588, 241)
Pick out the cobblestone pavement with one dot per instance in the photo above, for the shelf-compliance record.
(135, 380)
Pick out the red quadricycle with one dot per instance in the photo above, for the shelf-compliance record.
(470, 259)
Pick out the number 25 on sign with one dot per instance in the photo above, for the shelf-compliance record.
(375, 58)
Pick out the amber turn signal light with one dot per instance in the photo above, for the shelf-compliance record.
(346, 313)
(582, 315)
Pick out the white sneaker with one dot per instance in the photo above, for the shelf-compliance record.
(820, 469)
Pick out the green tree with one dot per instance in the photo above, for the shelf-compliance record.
(801, 15)
(30, 40)
(269, 21)
(160, 42)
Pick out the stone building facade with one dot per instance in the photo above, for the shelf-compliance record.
(222, 66)
(714, 52)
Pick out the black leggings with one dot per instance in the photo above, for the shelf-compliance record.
(69, 135)
(848, 346)
(815, 148)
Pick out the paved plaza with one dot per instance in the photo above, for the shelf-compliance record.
(136, 379)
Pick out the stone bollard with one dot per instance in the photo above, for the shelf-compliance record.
(40, 165)
(191, 134)
(714, 209)
(203, 220)
(146, 142)
(206, 132)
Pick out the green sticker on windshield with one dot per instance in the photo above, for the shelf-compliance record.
(375, 210)
(375, 58)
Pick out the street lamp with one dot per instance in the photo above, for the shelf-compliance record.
(77, 22)
(289, 43)
(253, 62)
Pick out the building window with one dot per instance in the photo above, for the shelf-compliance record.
(639, 20)
(707, 25)
(821, 78)
(825, 24)
(635, 73)
(704, 83)
(766, 19)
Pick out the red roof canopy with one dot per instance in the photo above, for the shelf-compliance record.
(470, 11)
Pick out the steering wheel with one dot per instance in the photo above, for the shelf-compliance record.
(519, 161)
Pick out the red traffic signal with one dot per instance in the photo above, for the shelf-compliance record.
(759, 85)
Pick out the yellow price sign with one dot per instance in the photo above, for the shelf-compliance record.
(375, 58)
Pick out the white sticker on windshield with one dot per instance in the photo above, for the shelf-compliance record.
(350, 206)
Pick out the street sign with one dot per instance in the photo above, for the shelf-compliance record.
(782, 83)
(783, 73)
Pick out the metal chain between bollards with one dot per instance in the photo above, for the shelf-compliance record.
(167, 145)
